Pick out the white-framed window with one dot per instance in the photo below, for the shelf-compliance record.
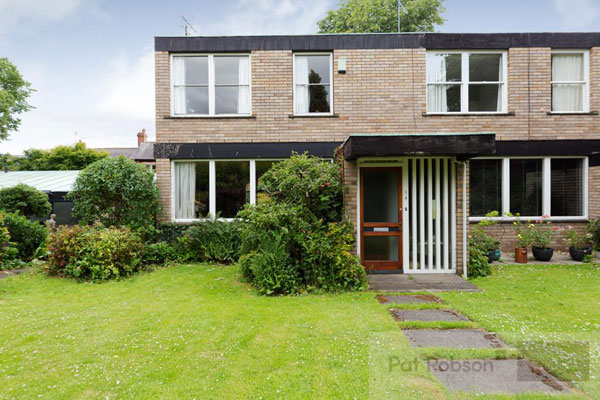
(466, 82)
(313, 83)
(570, 81)
(529, 186)
(210, 84)
(206, 188)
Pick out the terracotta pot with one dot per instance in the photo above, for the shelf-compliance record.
(521, 255)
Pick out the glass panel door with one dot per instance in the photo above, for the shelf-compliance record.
(381, 218)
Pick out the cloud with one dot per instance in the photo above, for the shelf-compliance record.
(255, 17)
(24, 14)
(129, 88)
(577, 14)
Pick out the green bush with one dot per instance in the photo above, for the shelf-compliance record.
(8, 252)
(159, 253)
(287, 250)
(172, 233)
(25, 200)
(93, 253)
(478, 260)
(215, 241)
(117, 192)
(594, 231)
(307, 181)
(26, 235)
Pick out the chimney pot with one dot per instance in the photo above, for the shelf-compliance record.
(142, 137)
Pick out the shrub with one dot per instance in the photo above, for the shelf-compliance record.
(116, 192)
(159, 253)
(478, 261)
(577, 240)
(8, 252)
(287, 250)
(25, 200)
(307, 181)
(594, 232)
(171, 233)
(26, 235)
(93, 253)
(216, 241)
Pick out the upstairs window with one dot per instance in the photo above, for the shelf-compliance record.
(313, 84)
(466, 82)
(211, 85)
(569, 81)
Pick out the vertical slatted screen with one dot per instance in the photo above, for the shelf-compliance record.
(431, 215)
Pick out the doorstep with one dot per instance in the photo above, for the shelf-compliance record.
(419, 283)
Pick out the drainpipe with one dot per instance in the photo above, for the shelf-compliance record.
(464, 199)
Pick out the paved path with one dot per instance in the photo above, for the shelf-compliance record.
(419, 283)
(13, 272)
(485, 376)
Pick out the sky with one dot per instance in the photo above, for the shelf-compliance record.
(91, 61)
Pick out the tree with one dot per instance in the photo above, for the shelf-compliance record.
(14, 91)
(116, 192)
(25, 200)
(60, 158)
(363, 16)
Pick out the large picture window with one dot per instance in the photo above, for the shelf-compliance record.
(207, 188)
(570, 81)
(466, 82)
(312, 84)
(530, 187)
(211, 85)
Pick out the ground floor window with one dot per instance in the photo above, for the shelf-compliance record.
(203, 188)
(530, 187)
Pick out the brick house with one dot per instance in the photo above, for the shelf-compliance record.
(436, 130)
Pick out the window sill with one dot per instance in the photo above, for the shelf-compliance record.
(470, 114)
(572, 113)
(253, 116)
(314, 116)
(524, 219)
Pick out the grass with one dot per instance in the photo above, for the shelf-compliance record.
(551, 314)
(195, 331)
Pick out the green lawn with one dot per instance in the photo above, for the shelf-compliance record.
(528, 305)
(195, 331)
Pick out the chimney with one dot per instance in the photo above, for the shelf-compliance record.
(142, 137)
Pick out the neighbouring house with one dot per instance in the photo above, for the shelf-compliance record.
(56, 184)
(436, 130)
(142, 154)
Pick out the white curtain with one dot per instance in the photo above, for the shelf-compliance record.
(179, 79)
(567, 68)
(244, 88)
(185, 190)
(302, 97)
(437, 100)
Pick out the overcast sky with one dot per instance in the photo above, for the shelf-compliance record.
(91, 61)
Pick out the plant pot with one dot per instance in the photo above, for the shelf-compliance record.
(578, 254)
(497, 255)
(542, 254)
(521, 255)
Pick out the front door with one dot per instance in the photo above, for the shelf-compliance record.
(381, 218)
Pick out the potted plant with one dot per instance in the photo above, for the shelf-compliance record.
(579, 243)
(490, 244)
(523, 235)
(541, 236)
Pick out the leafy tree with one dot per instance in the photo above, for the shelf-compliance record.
(116, 192)
(60, 158)
(363, 16)
(25, 200)
(14, 91)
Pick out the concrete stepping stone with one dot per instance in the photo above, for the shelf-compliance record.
(495, 376)
(453, 338)
(427, 315)
(408, 299)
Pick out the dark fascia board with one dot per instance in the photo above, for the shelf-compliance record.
(462, 145)
(243, 150)
(327, 42)
(572, 147)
